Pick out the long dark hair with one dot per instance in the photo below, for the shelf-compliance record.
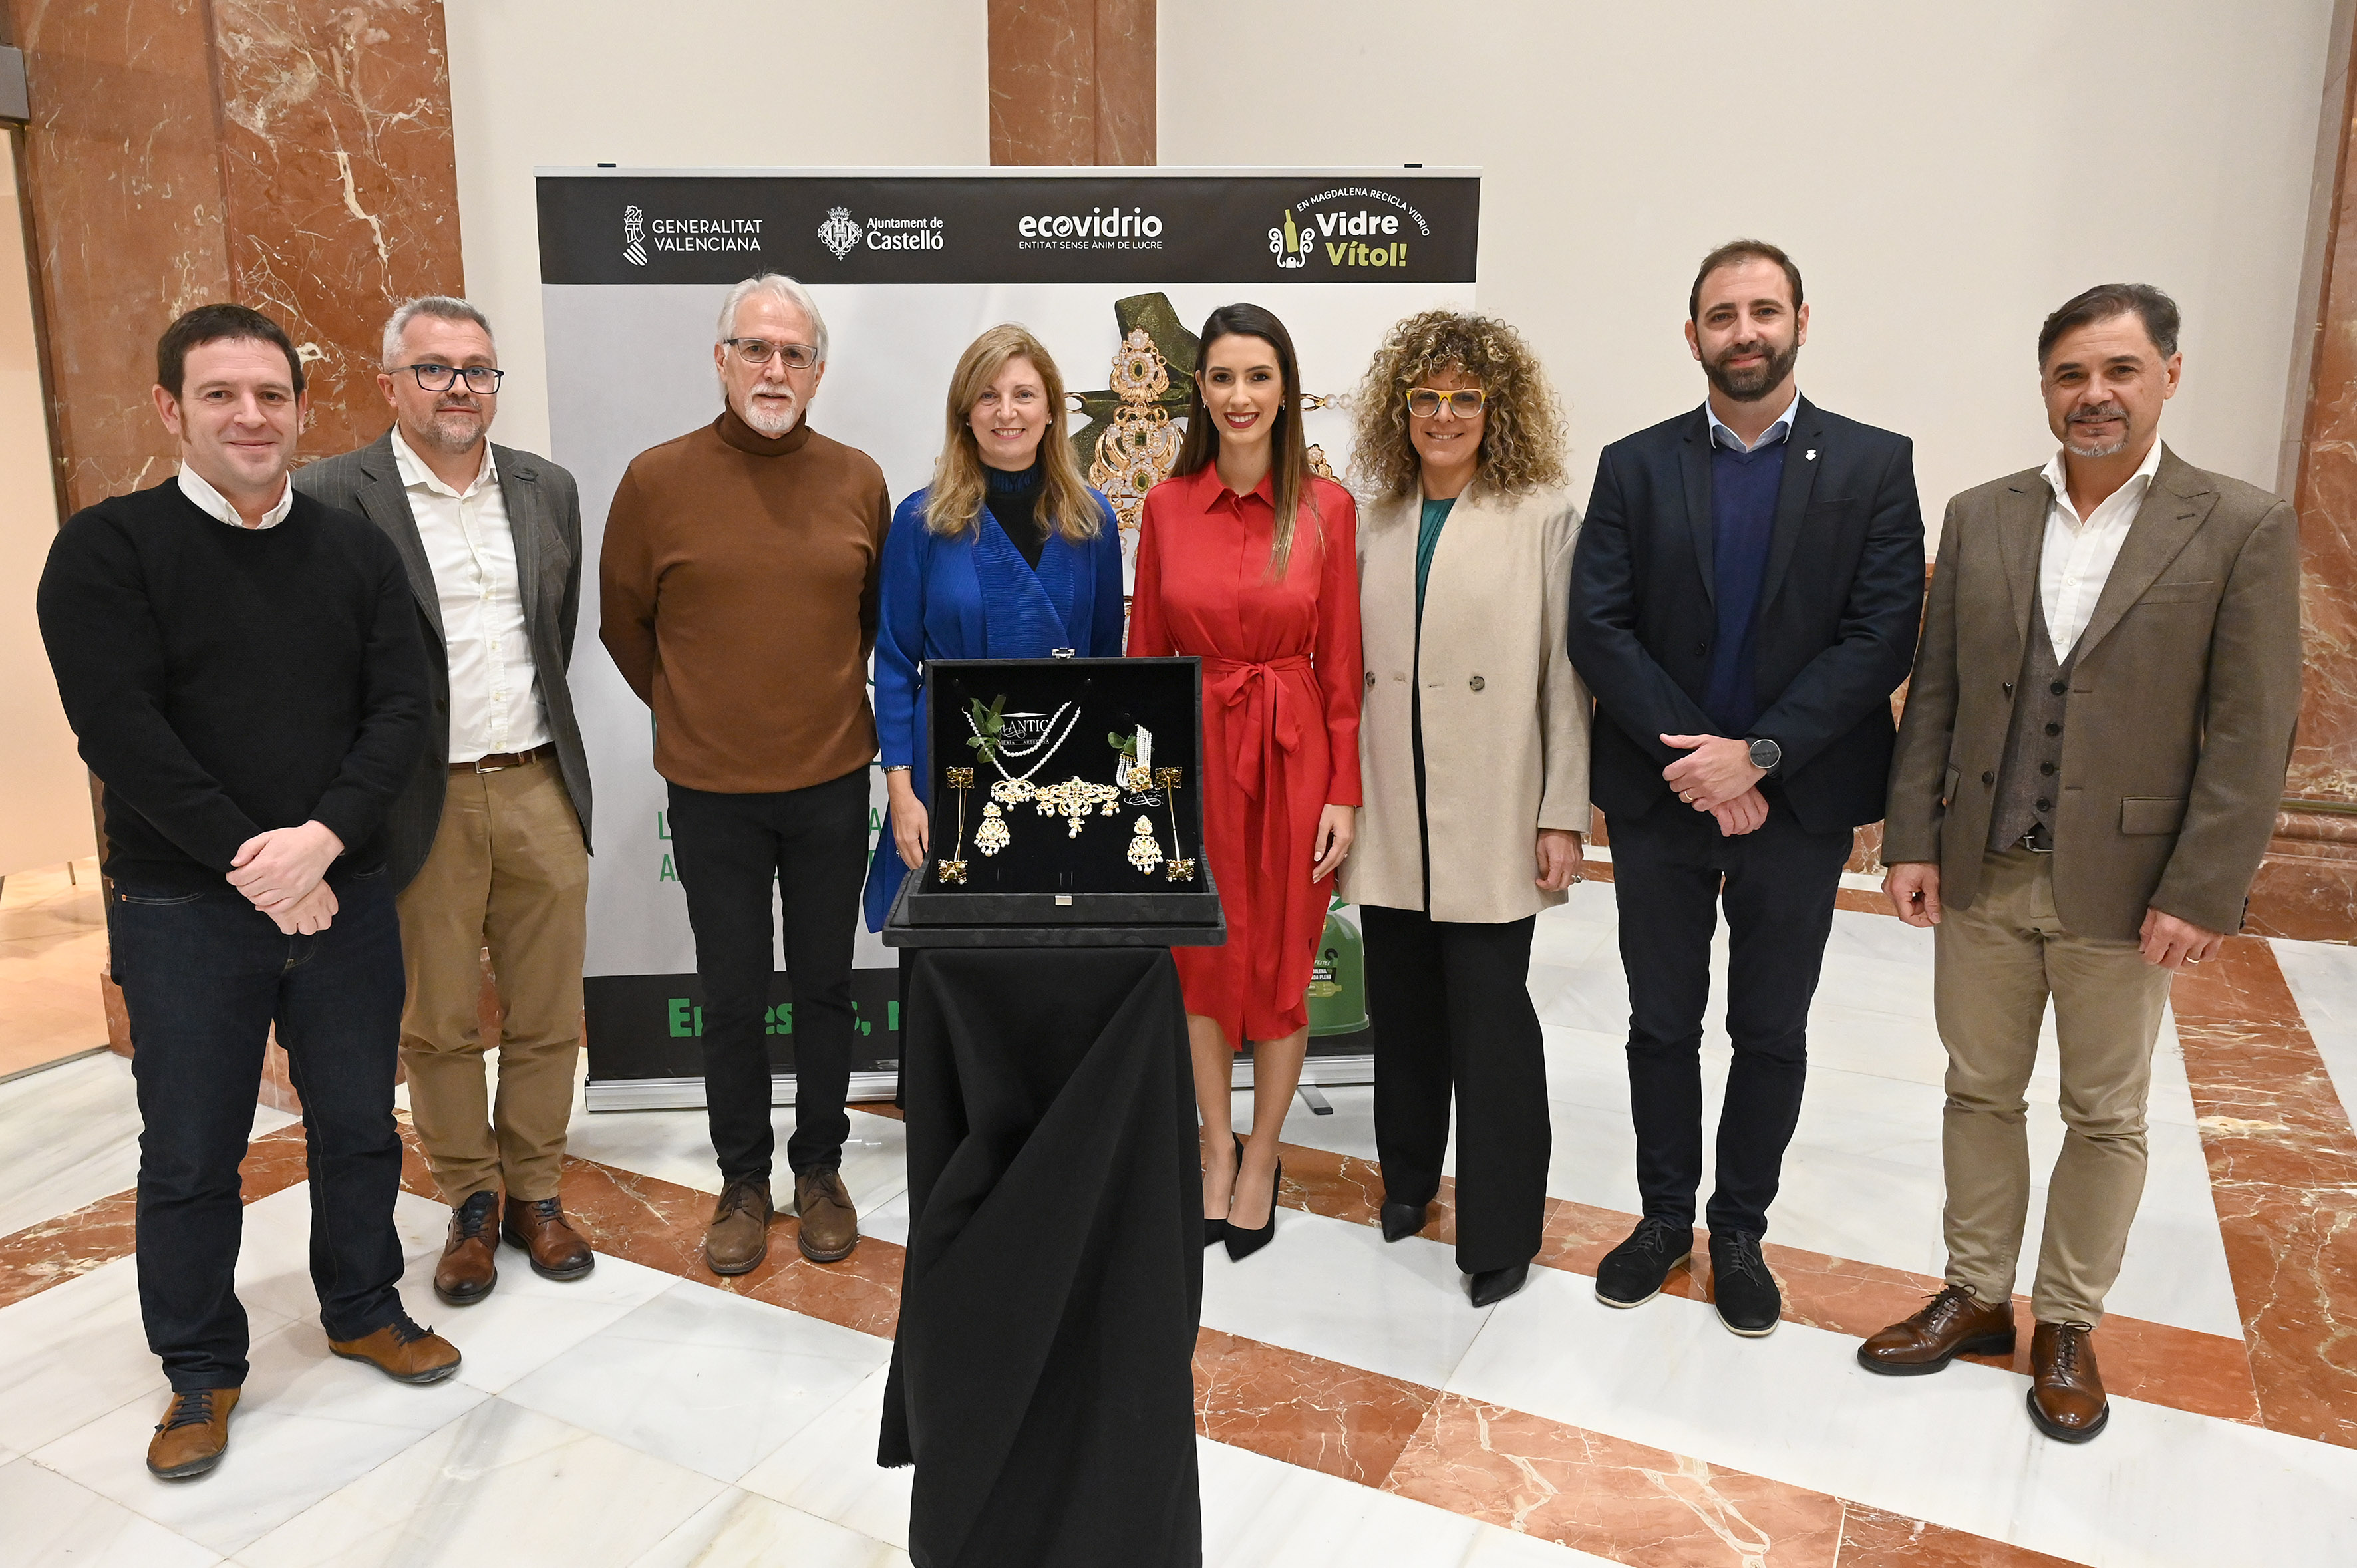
(1288, 452)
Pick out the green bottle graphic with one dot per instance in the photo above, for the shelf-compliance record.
(1338, 979)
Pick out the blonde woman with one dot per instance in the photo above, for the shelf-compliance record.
(1474, 754)
(1007, 554)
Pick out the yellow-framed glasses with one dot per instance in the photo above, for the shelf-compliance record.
(1425, 403)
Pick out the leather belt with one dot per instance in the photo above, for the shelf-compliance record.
(499, 761)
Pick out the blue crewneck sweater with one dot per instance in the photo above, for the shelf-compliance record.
(1743, 487)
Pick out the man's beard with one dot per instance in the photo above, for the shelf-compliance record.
(448, 435)
(1751, 385)
(769, 423)
(2109, 411)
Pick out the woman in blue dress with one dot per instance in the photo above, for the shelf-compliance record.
(1007, 554)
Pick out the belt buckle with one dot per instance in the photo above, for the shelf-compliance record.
(480, 769)
(2029, 841)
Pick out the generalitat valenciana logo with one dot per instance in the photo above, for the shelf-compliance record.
(634, 236)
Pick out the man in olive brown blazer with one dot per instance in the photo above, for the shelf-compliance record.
(2091, 758)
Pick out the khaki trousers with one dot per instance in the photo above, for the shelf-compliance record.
(1994, 966)
(507, 872)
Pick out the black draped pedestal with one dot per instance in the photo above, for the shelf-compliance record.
(1041, 1377)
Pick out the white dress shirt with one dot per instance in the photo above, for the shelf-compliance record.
(495, 704)
(2077, 559)
(1720, 435)
(218, 506)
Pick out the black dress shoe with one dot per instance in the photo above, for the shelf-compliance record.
(1740, 1285)
(1492, 1286)
(1243, 1243)
(1633, 1272)
(1402, 1220)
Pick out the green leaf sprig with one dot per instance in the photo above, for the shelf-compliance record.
(989, 722)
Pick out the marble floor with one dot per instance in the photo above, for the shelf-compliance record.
(52, 946)
(1352, 1409)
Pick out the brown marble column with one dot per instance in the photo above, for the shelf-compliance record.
(1071, 81)
(290, 155)
(2308, 884)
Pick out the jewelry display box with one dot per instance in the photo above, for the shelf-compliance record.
(1065, 802)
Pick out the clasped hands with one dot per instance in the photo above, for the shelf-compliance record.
(283, 873)
(1718, 775)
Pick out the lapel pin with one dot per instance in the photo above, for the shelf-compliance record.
(1810, 454)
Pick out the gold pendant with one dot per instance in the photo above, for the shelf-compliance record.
(1145, 852)
(992, 836)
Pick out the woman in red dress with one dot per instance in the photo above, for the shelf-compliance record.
(1248, 560)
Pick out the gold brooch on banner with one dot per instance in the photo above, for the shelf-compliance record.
(1136, 451)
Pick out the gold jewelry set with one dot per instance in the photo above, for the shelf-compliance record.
(1075, 800)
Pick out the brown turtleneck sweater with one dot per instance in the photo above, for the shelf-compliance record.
(739, 585)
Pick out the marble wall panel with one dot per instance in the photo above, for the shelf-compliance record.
(1071, 81)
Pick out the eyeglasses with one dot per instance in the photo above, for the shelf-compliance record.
(756, 352)
(481, 380)
(1424, 402)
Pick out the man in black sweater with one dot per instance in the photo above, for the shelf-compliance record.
(242, 667)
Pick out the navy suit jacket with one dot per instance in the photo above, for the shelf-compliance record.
(1839, 608)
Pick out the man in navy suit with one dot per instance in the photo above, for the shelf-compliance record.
(1744, 599)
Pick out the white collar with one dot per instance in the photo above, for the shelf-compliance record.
(218, 507)
(2058, 477)
(1776, 432)
(414, 471)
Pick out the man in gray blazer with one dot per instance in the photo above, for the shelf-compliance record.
(488, 845)
(2090, 763)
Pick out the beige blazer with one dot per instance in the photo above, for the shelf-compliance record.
(1505, 716)
(2181, 707)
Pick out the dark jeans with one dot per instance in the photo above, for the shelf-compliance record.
(1450, 1003)
(204, 976)
(1671, 870)
(731, 850)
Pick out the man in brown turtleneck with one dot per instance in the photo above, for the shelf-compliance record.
(740, 586)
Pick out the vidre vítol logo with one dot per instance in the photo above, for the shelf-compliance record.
(839, 233)
(634, 236)
(1291, 243)
(1354, 226)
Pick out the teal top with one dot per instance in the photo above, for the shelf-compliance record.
(1428, 539)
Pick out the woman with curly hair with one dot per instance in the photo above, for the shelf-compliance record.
(1473, 748)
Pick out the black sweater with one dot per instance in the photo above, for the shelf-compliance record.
(224, 680)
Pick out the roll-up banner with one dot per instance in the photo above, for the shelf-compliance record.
(908, 266)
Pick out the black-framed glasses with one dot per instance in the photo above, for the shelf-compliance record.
(758, 350)
(481, 380)
(1424, 402)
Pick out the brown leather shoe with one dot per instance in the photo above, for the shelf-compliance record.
(830, 1226)
(403, 1351)
(469, 1265)
(556, 1250)
(2066, 1391)
(1954, 1323)
(738, 1237)
(193, 1434)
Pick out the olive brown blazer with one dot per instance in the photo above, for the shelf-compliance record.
(2180, 713)
(1505, 716)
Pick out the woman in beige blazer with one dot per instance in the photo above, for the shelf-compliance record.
(1473, 744)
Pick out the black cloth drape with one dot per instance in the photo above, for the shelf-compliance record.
(1041, 1377)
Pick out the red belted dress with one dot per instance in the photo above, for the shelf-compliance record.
(1281, 690)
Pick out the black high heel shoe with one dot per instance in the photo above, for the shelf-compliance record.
(1215, 1229)
(1243, 1243)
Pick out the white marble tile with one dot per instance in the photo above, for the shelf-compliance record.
(273, 1264)
(1331, 1288)
(526, 1321)
(828, 1468)
(1957, 1449)
(2323, 979)
(70, 1136)
(76, 1350)
(499, 1484)
(740, 1529)
(702, 1378)
(676, 1146)
(48, 1522)
(1262, 1513)
(309, 1425)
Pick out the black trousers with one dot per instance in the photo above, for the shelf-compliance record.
(205, 975)
(731, 850)
(1450, 1004)
(1671, 871)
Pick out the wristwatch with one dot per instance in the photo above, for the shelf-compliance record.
(1765, 753)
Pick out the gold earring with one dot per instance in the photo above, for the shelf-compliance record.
(1145, 851)
(992, 836)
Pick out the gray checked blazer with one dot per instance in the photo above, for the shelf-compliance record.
(545, 514)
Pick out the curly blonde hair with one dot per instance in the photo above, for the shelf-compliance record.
(1523, 439)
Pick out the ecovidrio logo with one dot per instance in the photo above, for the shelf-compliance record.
(1098, 229)
(1351, 227)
